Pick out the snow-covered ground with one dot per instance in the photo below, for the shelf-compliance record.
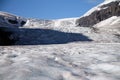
(73, 61)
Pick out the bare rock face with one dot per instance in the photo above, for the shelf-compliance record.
(106, 11)
(9, 26)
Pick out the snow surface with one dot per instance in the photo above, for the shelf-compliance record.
(110, 25)
(109, 22)
(74, 61)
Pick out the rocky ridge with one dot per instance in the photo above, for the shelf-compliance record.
(100, 13)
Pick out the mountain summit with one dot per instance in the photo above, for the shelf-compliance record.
(103, 11)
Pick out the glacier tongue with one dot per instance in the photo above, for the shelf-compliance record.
(53, 31)
(65, 22)
(33, 23)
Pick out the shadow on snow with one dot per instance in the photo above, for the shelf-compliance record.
(47, 36)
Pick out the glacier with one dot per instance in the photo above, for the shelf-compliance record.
(61, 50)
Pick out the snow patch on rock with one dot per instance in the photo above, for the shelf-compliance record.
(98, 8)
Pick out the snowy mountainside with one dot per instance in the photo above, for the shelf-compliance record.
(98, 7)
(48, 23)
(11, 20)
(105, 10)
(110, 23)
(65, 22)
(34, 22)
(9, 27)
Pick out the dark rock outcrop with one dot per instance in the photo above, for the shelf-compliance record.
(107, 11)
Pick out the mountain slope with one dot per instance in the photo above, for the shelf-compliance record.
(99, 13)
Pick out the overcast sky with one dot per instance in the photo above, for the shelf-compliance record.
(48, 9)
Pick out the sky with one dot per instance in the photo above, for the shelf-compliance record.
(48, 9)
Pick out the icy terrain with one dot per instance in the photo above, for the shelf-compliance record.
(74, 61)
(60, 50)
(65, 31)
